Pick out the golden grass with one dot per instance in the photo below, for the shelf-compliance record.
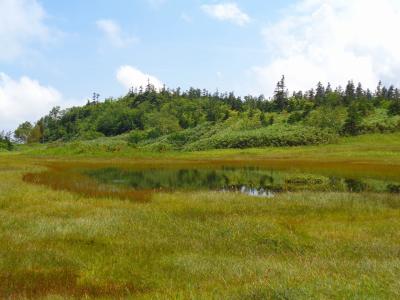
(193, 245)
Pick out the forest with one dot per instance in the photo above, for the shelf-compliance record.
(196, 119)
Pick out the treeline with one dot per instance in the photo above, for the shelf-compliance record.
(149, 114)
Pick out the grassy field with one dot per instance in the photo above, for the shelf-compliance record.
(370, 147)
(200, 245)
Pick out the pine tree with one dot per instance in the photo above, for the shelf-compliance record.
(378, 92)
(353, 121)
(319, 94)
(359, 92)
(328, 89)
(280, 95)
(390, 93)
(349, 94)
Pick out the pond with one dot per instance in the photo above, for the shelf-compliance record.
(139, 182)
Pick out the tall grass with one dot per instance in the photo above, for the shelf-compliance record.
(197, 245)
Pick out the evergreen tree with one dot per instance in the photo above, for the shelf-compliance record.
(378, 92)
(319, 94)
(390, 93)
(353, 121)
(359, 92)
(328, 89)
(349, 94)
(280, 95)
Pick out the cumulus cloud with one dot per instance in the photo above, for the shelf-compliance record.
(21, 25)
(333, 40)
(227, 12)
(24, 100)
(131, 77)
(114, 34)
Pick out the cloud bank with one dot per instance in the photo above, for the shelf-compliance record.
(131, 77)
(24, 100)
(21, 25)
(333, 40)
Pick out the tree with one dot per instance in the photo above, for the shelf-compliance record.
(319, 94)
(353, 121)
(394, 108)
(390, 93)
(23, 132)
(5, 141)
(280, 95)
(349, 94)
(359, 92)
(328, 89)
(378, 92)
(263, 119)
(326, 117)
(36, 133)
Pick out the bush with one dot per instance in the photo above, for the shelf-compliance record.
(295, 117)
(394, 108)
(136, 136)
(327, 118)
(271, 136)
(5, 142)
(90, 135)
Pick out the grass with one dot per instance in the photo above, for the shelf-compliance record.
(201, 245)
(380, 147)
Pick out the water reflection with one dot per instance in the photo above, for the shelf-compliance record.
(252, 181)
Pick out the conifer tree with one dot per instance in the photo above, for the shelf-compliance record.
(319, 94)
(280, 95)
(349, 94)
(359, 92)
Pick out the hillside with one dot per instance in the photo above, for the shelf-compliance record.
(161, 120)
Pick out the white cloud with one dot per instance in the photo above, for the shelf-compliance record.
(227, 12)
(114, 34)
(24, 100)
(21, 25)
(130, 77)
(333, 40)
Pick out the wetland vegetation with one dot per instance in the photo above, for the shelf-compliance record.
(65, 238)
(115, 200)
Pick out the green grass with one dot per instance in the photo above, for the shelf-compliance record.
(200, 245)
(370, 146)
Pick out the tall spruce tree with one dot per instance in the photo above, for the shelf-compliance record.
(350, 93)
(280, 95)
(359, 92)
(319, 94)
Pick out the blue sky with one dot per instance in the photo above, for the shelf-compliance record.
(59, 52)
(176, 42)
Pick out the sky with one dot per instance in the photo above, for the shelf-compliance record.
(57, 53)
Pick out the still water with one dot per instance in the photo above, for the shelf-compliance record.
(254, 181)
(259, 181)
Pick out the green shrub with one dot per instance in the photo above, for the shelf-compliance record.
(271, 136)
(5, 142)
(137, 136)
(327, 118)
(394, 108)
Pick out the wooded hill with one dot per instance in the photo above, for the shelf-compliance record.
(197, 119)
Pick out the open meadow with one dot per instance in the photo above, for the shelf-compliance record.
(60, 244)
